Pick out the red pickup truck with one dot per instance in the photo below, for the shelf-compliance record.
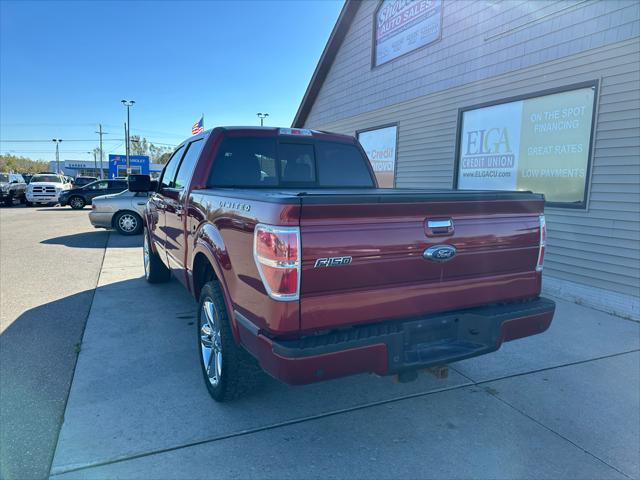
(303, 268)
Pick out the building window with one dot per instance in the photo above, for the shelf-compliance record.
(380, 145)
(539, 142)
(401, 27)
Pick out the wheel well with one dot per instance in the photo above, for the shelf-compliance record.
(202, 273)
(115, 215)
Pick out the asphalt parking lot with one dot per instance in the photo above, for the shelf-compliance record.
(50, 260)
(565, 404)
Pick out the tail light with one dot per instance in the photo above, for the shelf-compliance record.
(543, 242)
(276, 251)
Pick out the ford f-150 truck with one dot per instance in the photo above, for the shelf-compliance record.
(305, 269)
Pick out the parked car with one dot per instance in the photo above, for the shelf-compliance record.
(303, 267)
(12, 188)
(120, 211)
(82, 181)
(77, 198)
(45, 188)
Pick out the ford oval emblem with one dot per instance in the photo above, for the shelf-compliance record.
(440, 253)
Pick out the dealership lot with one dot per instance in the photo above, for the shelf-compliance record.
(562, 404)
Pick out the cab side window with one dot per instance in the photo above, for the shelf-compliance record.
(99, 186)
(169, 172)
(188, 162)
(118, 185)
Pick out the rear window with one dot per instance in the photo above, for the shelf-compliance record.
(263, 162)
(342, 165)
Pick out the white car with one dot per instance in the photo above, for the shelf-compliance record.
(120, 211)
(45, 188)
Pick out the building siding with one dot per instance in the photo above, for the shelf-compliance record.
(479, 40)
(596, 248)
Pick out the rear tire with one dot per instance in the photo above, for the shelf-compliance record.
(229, 371)
(154, 270)
(127, 223)
(76, 202)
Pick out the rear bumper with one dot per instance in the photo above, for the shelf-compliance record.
(101, 219)
(396, 346)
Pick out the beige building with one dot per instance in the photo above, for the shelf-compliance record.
(541, 96)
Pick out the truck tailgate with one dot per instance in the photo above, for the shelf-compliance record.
(386, 232)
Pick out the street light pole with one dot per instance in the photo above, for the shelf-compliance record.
(57, 142)
(128, 104)
(262, 116)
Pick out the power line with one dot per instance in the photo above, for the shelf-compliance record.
(40, 151)
(49, 141)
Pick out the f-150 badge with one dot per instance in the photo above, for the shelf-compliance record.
(332, 262)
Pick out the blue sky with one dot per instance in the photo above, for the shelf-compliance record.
(65, 66)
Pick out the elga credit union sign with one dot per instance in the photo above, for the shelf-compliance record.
(404, 25)
(540, 144)
(380, 147)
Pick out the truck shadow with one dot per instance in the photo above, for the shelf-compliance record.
(95, 239)
(38, 353)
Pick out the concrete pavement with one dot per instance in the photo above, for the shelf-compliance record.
(564, 404)
(50, 259)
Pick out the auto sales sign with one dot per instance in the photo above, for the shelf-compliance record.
(404, 25)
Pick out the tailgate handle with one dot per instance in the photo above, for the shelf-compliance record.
(439, 226)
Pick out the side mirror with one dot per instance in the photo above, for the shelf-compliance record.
(139, 183)
(154, 186)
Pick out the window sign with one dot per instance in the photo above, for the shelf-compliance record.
(380, 146)
(402, 26)
(540, 143)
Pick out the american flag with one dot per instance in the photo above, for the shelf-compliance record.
(198, 127)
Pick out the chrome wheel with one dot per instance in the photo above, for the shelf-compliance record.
(210, 343)
(128, 223)
(146, 253)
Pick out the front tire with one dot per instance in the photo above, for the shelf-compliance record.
(229, 371)
(128, 223)
(154, 270)
(8, 202)
(77, 203)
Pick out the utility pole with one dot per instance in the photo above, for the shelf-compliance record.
(128, 104)
(57, 142)
(100, 132)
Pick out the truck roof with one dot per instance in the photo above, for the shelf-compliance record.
(275, 132)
